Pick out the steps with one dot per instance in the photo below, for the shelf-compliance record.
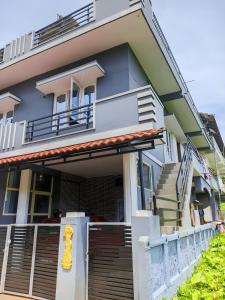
(166, 196)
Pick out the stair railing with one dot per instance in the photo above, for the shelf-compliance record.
(183, 175)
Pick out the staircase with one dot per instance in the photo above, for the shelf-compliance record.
(174, 190)
(166, 196)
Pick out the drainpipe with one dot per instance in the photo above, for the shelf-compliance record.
(140, 167)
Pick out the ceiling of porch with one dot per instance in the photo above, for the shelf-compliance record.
(97, 167)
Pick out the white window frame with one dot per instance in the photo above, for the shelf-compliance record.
(4, 119)
(151, 176)
(35, 192)
(7, 189)
(68, 94)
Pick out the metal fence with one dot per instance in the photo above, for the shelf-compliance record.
(64, 25)
(30, 261)
(110, 267)
(59, 123)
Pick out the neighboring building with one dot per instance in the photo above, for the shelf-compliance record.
(96, 118)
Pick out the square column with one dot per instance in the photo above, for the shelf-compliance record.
(71, 276)
(130, 185)
(24, 197)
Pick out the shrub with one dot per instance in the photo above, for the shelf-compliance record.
(208, 279)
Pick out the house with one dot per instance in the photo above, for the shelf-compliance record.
(97, 121)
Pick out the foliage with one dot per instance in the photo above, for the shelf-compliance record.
(208, 279)
(223, 206)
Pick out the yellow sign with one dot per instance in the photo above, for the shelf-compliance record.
(67, 260)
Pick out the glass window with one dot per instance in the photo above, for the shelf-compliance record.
(60, 103)
(41, 204)
(75, 101)
(11, 202)
(14, 179)
(60, 107)
(12, 192)
(147, 177)
(2, 121)
(89, 95)
(9, 117)
(40, 196)
(43, 182)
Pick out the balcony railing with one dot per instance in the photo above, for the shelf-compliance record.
(64, 25)
(69, 121)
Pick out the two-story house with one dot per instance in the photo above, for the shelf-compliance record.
(96, 118)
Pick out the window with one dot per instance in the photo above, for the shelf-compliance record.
(147, 177)
(70, 102)
(75, 101)
(12, 193)
(148, 185)
(89, 95)
(40, 196)
(6, 118)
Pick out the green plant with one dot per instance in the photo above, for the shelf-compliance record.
(222, 206)
(208, 279)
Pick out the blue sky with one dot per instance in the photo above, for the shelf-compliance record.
(195, 31)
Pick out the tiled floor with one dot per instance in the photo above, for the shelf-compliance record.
(7, 297)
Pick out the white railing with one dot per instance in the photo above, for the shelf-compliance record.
(7, 136)
(11, 136)
(172, 258)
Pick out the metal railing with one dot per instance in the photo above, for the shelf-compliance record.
(1, 55)
(59, 123)
(183, 175)
(64, 25)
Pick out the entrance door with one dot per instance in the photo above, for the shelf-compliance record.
(110, 268)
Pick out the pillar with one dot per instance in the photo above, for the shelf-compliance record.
(71, 282)
(145, 227)
(130, 185)
(24, 197)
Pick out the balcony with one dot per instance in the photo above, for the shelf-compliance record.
(132, 111)
(76, 19)
(72, 120)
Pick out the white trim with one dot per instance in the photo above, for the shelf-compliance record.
(130, 92)
(9, 95)
(70, 72)
(71, 35)
(78, 140)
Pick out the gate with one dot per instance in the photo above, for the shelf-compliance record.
(30, 261)
(109, 263)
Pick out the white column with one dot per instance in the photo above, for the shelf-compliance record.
(130, 185)
(71, 284)
(24, 196)
(145, 228)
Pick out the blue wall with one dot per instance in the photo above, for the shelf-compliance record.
(122, 72)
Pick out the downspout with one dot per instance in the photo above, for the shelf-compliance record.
(140, 167)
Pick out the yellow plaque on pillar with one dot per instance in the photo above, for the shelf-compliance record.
(67, 260)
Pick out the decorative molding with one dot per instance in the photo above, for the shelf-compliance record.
(67, 260)
(146, 107)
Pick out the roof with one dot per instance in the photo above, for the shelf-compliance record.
(82, 147)
(210, 122)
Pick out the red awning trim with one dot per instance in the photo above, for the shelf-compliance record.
(82, 147)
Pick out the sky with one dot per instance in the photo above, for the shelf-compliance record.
(195, 30)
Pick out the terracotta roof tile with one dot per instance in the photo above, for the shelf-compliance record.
(80, 147)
